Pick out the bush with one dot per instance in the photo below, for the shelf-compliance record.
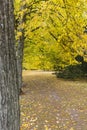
(71, 72)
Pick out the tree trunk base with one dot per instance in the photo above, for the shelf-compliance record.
(21, 92)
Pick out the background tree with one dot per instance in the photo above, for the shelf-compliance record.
(9, 94)
(19, 29)
(57, 25)
(22, 10)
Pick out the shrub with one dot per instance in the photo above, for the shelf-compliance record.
(71, 72)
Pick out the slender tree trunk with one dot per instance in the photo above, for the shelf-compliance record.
(20, 59)
(9, 95)
(20, 47)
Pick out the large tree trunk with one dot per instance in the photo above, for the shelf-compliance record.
(9, 95)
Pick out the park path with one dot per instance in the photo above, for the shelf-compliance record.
(50, 103)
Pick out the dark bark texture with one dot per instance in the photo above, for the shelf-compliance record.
(9, 97)
(19, 55)
(20, 47)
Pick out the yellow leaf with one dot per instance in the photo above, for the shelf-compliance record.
(71, 128)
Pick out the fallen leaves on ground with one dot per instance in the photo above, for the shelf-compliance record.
(53, 104)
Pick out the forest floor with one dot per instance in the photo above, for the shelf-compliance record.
(51, 103)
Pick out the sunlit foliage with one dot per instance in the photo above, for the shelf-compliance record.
(54, 32)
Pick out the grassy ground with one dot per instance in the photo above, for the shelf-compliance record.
(50, 103)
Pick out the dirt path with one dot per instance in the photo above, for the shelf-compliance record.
(53, 104)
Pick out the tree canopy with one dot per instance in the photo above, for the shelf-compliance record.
(53, 31)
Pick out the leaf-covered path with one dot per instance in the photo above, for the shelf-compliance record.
(49, 103)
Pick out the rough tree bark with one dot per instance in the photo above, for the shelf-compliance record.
(9, 95)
